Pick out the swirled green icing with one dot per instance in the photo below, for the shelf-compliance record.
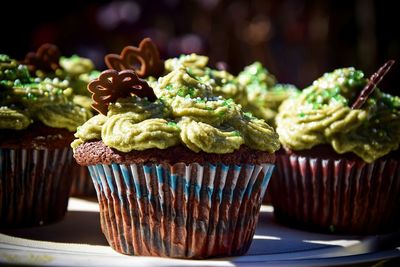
(321, 114)
(209, 110)
(180, 83)
(195, 64)
(222, 82)
(13, 119)
(76, 65)
(11, 72)
(123, 132)
(264, 95)
(255, 89)
(186, 112)
(67, 116)
(48, 100)
(83, 101)
(202, 136)
(92, 128)
(79, 71)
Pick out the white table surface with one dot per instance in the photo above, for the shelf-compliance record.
(78, 241)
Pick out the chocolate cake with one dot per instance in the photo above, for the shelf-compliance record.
(95, 152)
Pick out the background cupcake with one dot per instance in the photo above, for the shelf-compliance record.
(179, 172)
(78, 72)
(264, 94)
(37, 118)
(339, 166)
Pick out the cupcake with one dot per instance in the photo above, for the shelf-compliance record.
(178, 171)
(78, 71)
(339, 166)
(37, 121)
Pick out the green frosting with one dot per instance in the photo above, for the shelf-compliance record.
(222, 82)
(186, 112)
(79, 71)
(11, 72)
(63, 115)
(255, 89)
(322, 114)
(25, 99)
(264, 95)
(13, 119)
(76, 65)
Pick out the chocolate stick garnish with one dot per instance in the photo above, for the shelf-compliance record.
(111, 85)
(144, 60)
(373, 81)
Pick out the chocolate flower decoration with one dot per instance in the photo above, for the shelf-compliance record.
(144, 60)
(373, 81)
(111, 85)
(45, 59)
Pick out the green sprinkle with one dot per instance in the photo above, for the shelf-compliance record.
(248, 114)
(236, 133)
(192, 92)
(228, 102)
(190, 72)
(172, 123)
(181, 92)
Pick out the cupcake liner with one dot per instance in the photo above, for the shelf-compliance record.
(34, 185)
(82, 185)
(182, 211)
(341, 195)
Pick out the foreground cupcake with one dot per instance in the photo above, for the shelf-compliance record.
(178, 171)
(339, 169)
(37, 118)
(78, 71)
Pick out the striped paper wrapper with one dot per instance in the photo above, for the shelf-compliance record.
(82, 185)
(181, 211)
(337, 195)
(34, 186)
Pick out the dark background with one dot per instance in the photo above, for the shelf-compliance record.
(297, 40)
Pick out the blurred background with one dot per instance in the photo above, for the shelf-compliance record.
(296, 40)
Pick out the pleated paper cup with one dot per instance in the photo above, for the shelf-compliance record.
(337, 195)
(82, 185)
(182, 211)
(34, 185)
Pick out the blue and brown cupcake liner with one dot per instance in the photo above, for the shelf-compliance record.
(182, 211)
